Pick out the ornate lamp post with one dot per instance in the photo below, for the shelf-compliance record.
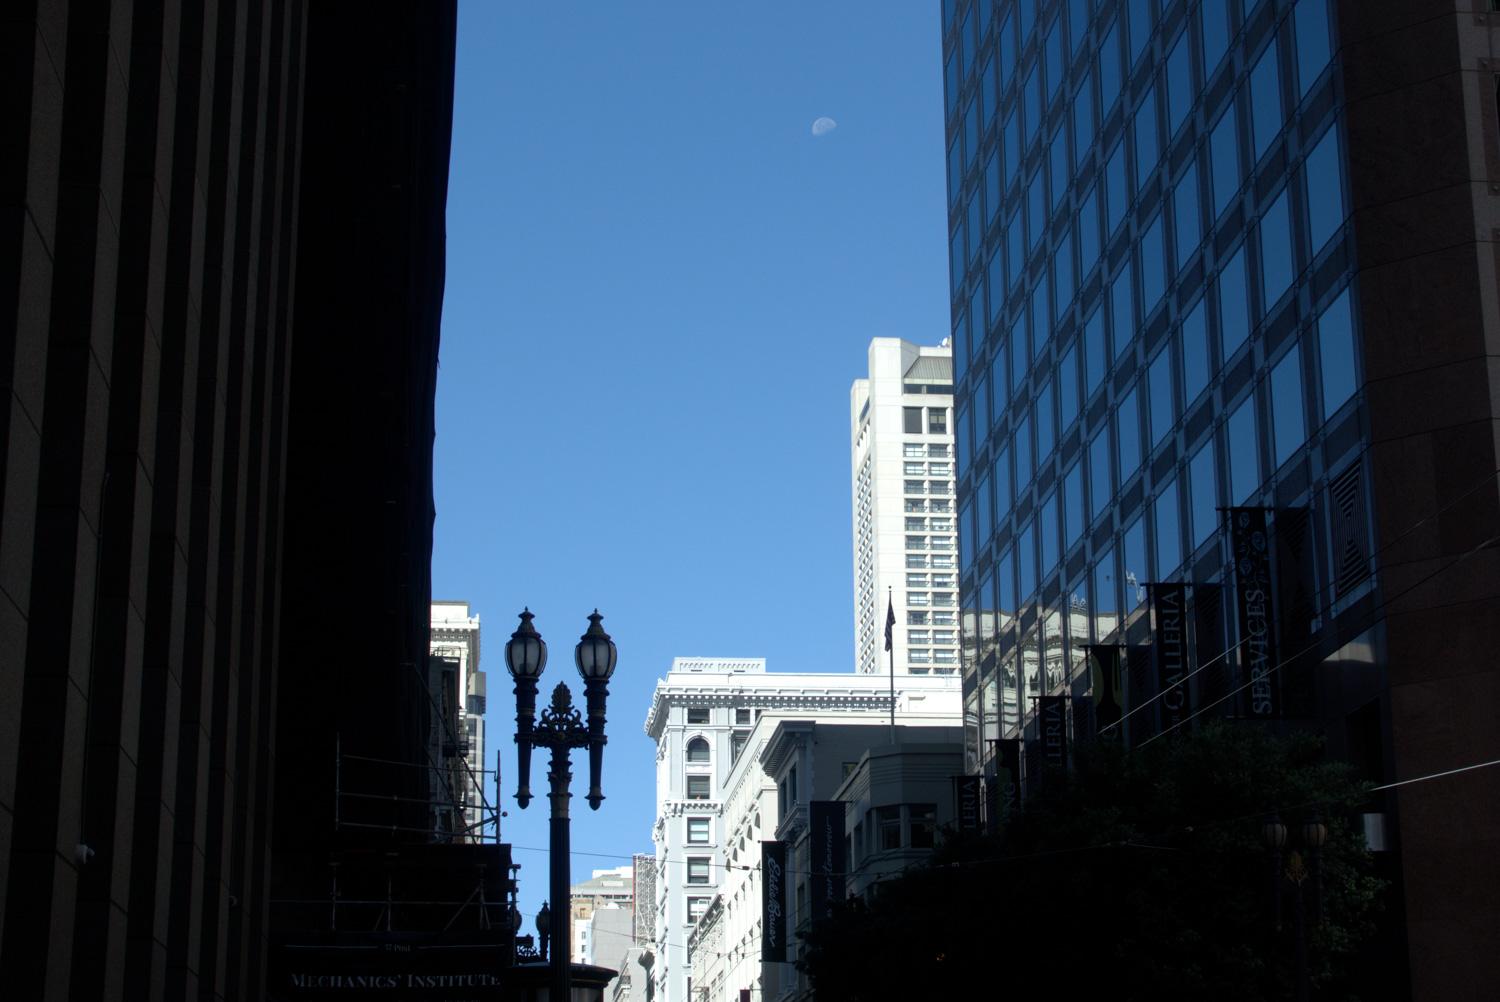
(1273, 835)
(561, 729)
(543, 925)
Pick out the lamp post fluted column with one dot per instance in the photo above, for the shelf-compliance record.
(561, 729)
(1290, 880)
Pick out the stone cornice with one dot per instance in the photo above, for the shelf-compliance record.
(676, 808)
(720, 666)
(787, 740)
(458, 632)
(769, 692)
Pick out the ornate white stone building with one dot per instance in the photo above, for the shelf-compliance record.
(710, 718)
(905, 529)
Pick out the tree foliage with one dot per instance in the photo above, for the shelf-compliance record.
(1139, 874)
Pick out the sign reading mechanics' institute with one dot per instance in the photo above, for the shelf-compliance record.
(409, 967)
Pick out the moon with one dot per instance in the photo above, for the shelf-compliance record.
(823, 126)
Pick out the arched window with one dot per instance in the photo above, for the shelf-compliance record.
(697, 750)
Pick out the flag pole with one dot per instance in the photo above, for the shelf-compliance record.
(890, 646)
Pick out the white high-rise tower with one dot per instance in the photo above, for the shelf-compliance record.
(905, 538)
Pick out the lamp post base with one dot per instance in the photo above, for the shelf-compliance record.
(533, 982)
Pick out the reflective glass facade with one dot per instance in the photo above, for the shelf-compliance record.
(1153, 319)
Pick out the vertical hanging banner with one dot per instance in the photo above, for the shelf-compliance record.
(1169, 609)
(773, 902)
(966, 802)
(1109, 690)
(825, 823)
(1052, 725)
(1008, 777)
(1138, 673)
(991, 807)
(1252, 569)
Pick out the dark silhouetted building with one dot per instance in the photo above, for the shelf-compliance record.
(1239, 254)
(221, 276)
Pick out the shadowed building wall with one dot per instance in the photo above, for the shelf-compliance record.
(220, 276)
(1420, 86)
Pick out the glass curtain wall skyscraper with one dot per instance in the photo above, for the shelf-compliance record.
(1151, 311)
(1232, 261)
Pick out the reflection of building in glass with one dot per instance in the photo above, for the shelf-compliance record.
(1174, 292)
(901, 473)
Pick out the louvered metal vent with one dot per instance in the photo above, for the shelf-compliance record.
(1349, 532)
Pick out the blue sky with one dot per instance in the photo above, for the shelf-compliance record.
(660, 285)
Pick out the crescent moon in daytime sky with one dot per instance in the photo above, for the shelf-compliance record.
(823, 126)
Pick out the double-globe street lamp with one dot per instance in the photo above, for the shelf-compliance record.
(1314, 834)
(561, 729)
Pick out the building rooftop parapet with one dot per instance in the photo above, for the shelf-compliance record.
(787, 690)
(674, 808)
(783, 742)
(931, 367)
(720, 666)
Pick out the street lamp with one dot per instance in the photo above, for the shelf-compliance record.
(595, 657)
(561, 729)
(1314, 834)
(525, 656)
(543, 925)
